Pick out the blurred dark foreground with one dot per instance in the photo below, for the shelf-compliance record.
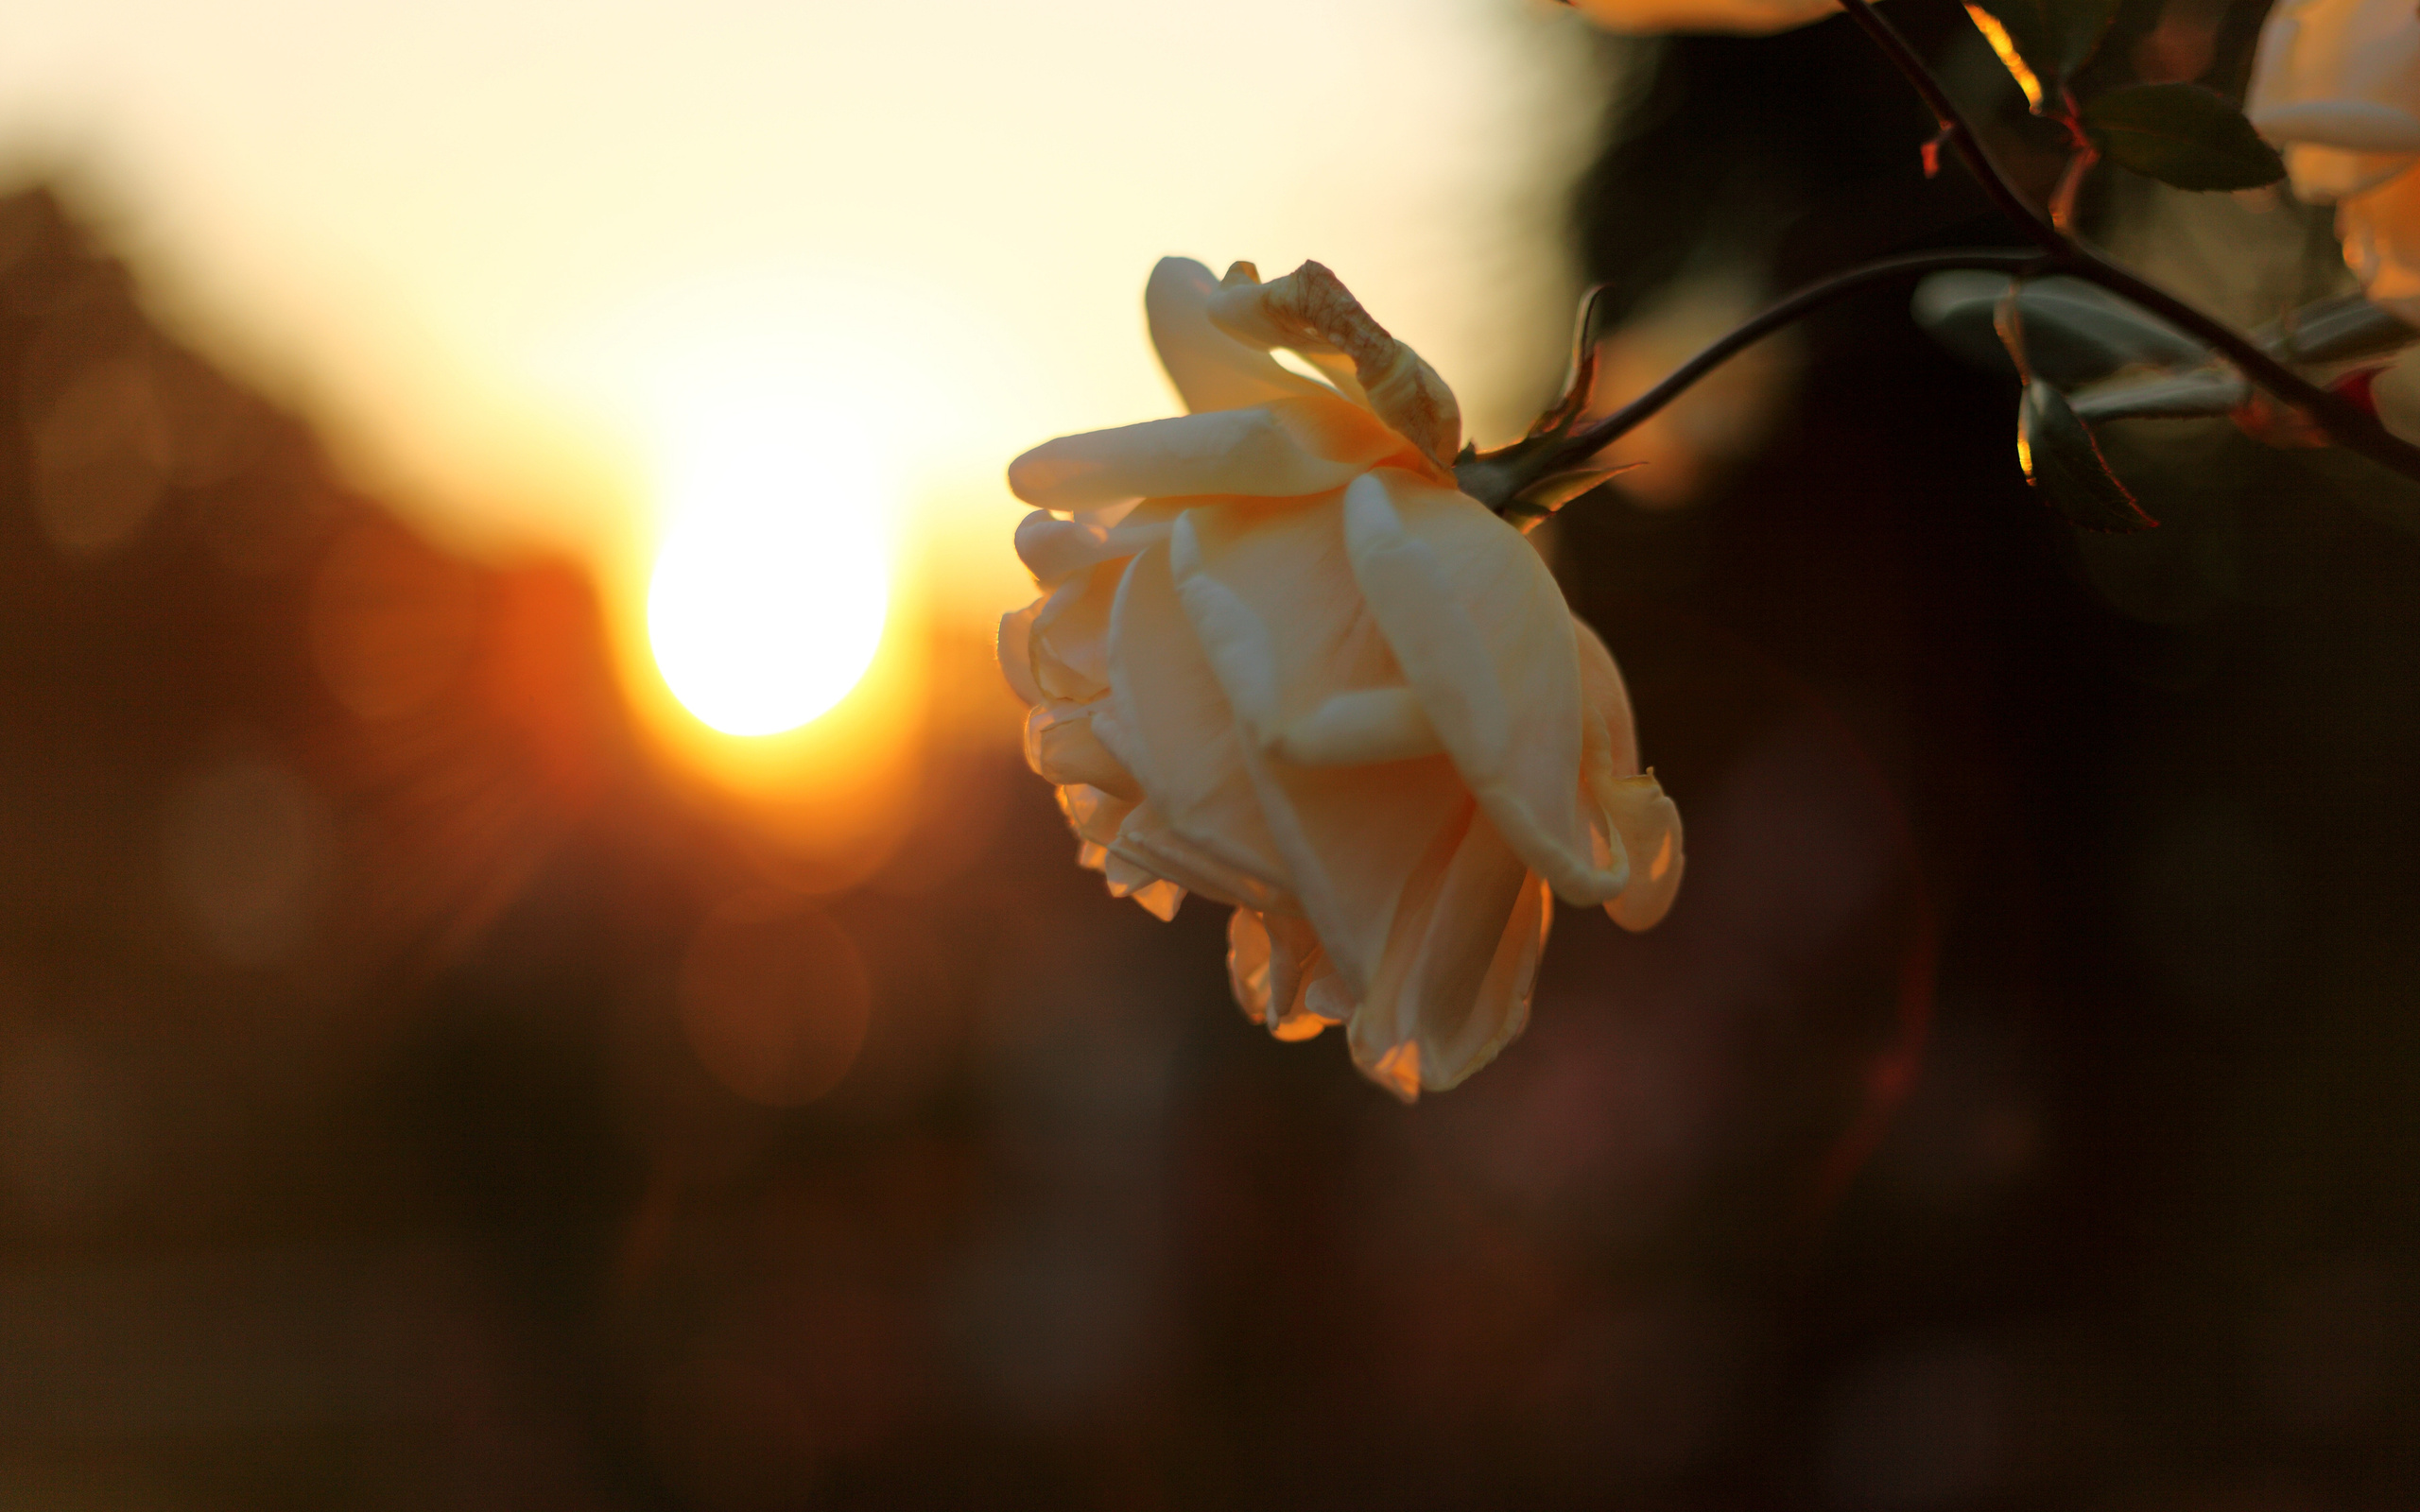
(412, 1097)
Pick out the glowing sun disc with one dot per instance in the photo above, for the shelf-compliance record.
(776, 432)
(762, 618)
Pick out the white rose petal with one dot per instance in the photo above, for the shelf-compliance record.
(1280, 663)
(2336, 84)
(1210, 368)
(1287, 447)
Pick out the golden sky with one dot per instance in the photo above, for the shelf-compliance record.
(539, 265)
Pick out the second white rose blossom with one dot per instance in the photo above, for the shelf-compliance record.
(2336, 84)
(1281, 661)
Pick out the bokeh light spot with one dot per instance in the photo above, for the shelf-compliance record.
(774, 999)
(393, 621)
(100, 455)
(246, 856)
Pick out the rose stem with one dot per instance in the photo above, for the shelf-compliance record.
(1598, 433)
(2347, 422)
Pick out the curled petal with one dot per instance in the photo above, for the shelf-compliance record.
(1160, 900)
(1310, 311)
(1062, 748)
(1094, 815)
(1158, 896)
(1015, 652)
(1333, 365)
(1070, 635)
(1171, 725)
(1298, 1027)
(1269, 599)
(1359, 727)
(1054, 549)
(1609, 755)
(1147, 840)
(1283, 449)
(1454, 986)
(1328, 998)
(1486, 641)
(1352, 836)
(1279, 974)
(1248, 963)
(1210, 368)
(1605, 702)
(1649, 826)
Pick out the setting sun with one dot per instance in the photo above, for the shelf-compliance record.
(771, 584)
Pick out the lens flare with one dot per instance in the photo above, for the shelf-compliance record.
(770, 587)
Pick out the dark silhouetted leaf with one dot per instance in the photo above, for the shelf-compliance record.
(2054, 36)
(2064, 465)
(2182, 134)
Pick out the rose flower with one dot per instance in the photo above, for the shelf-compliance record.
(2337, 85)
(1281, 661)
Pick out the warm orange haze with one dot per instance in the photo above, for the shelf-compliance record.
(747, 306)
(544, 966)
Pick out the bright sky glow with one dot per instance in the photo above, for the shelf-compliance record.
(774, 419)
(479, 239)
(771, 583)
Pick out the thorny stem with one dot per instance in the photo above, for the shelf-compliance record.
(1497, 477)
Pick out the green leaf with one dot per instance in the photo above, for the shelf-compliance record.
(2182, 134)
(2056, 38)
(2064, 463)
